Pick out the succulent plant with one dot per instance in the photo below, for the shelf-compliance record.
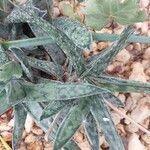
(43, 73)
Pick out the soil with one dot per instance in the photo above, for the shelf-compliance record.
(131, 63)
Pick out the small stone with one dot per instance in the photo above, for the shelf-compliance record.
(79, 137)
(94, 46)
(116, 118)
(147, 53)
(123, 56)
(142, 110)
(135, 143)
(11, 123)
(37, 145)
(37, 131)
(56, 12)
(5, 127)
(122, 97)
(102, 45)
(144, 28)
(6, 135)
(132, 128)
(29, 123)
(30, 139)
(146, 138)
(144, 3)
(137, 73)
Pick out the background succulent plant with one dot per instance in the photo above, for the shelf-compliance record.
(43, 73)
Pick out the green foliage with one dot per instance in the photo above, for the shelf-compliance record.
(10, 70)
(101, 12)
(43, 71)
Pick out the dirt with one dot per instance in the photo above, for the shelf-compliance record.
(132, 63)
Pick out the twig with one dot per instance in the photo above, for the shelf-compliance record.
(7, 147)
(127, 117)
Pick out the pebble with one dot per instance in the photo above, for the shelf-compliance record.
(146, 138)
(29, 123)
(135, 143)
(123, 56)
(56, 12)
(142, 110)
(144, 3)
(137, 73)
(147, 53)
(30, 138)
(6, 135)
(37, 131)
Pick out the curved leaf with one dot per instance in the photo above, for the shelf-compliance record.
(98, 65)
(92, 132)
(54, 107)
(71, 145)
(74, 29)
(46, 66)
(100, 12)
(10, 70)
(104, 120)
(59, 91)
(20, 56)
(20, 116)
(26, 13)
(121, 85)
(71, 123)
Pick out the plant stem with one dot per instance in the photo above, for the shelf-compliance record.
(37, 41)
(27, 42)
(113, 37)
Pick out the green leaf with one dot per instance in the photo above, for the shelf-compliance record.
(74, 29)
(4, 59)
(34, 108)
(3, 9)
(65, 91)
(113, 99)
(91, 131)
(26, 13)
(20, 117)
(98, 65)
(20, 56)
(113, 37)
(27, 42)
(98, 13)
(71, 145)
(121, 85)
(104, 120)
(71, 123)
(54, 107)
(10, 70)
(4, 106)
(15, 91)
(46, 66)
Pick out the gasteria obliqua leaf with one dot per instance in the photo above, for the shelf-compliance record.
(104, 120)
(20, 56)
(121, 85)
(26, 13)
(59, 91)
(9, 70)
(98, 13)
(34, 108)
(71, 123)
(71, 145)
(91, 131)
(46, 66)
(98, 65)
(54, 107)
(74, 29)
(15, 91)
(20, 117)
